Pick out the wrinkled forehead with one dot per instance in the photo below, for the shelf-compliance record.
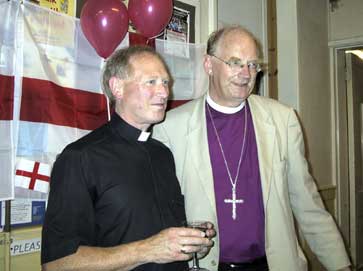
(238, 44)
(147, 64)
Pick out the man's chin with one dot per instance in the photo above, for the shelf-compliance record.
(158, 118)
(242, 93)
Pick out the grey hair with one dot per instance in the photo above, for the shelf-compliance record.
(118, 65)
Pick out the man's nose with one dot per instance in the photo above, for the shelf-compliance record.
(162, 91)
(245, 72)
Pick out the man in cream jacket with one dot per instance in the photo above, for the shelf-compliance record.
(241, 165)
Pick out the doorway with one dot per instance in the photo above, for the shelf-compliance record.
(349, 148)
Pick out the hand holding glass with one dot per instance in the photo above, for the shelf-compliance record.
(202, 226)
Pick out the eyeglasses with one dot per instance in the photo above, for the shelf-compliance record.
(254, 66)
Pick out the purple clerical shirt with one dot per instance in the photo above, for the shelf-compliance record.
(242, 239)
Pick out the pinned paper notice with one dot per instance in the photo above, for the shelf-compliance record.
(19, 247)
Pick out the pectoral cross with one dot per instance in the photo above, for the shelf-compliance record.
(234, 202)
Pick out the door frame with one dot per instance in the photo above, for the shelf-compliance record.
(339, 133)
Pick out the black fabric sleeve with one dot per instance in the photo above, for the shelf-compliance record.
(69, 219)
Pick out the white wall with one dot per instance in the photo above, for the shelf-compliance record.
(208, 18)
(346, 22)
(314, 86)
(303, 76)
(287, 52)
(248, 13)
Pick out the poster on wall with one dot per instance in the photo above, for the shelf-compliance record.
(178, 27)
(62, 6)
(181, 27)
(24, 212)
(50, 30)
(180, 31)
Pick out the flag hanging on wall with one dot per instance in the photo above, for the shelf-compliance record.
(32, 175)
(50, 80)
(50, 93)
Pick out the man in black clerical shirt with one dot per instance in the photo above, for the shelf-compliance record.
(115, 202)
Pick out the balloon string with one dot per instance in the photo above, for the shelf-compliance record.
(108, 108)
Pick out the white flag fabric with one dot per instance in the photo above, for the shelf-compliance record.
(32, 175)
(185, 62)
(50, 76)
(8, 97)
(50, 93)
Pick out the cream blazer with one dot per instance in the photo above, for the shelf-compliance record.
(287, 187)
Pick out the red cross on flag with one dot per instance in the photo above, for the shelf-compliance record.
(32, 175)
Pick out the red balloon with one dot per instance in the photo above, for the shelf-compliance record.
(104, 23)
(150, 17)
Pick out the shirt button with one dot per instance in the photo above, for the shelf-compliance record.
(213, 263)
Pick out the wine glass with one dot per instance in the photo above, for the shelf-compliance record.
(202, 226)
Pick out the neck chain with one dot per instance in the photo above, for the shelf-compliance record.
(234, 199)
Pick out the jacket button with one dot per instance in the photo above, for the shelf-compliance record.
(213, 263)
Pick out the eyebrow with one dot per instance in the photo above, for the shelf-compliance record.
(237, 58)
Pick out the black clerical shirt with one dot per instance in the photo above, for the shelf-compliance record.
(107, 189)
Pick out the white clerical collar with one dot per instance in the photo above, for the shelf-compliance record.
(224, 109)
(143, 136)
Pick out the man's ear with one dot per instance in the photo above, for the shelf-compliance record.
(117, 87)
(207, 64)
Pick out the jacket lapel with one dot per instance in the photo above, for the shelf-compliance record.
(199, 149)
(265, 139)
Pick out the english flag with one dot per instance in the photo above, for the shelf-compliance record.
(32, 175)
(50, 93)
